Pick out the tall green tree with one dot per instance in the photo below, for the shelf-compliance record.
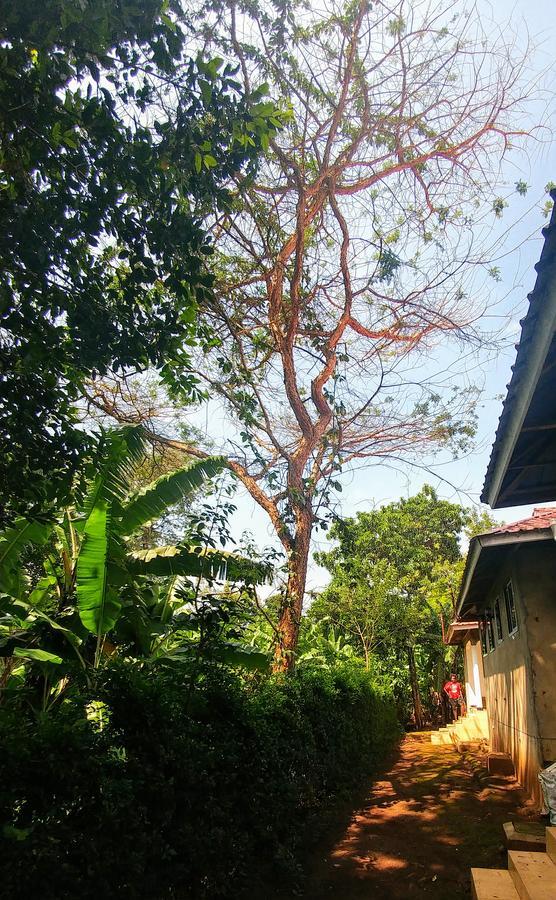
(394, 572)
(114, 144)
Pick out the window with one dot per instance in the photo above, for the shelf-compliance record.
(484, 640)
(490, 630)
(498, 620)
(511, 614)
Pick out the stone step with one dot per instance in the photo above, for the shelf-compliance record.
(492, 884)
(440, 739)
(551, 843)
(516, 839)
(533, 875)
(500, 764)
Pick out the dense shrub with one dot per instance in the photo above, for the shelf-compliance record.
(179, 793)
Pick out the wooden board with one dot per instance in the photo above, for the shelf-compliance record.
(534, 875)
(492, 884)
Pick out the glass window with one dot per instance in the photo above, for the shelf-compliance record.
(498, 620)
(511, 614)
(484, 640)
(490, 630)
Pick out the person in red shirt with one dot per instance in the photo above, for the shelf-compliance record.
(454, 692)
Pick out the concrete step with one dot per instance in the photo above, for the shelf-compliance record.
(551, 843)
(533, 875)
(517, 839)
(500, 764)
(467, 729)
(492, 884)
(440, 739)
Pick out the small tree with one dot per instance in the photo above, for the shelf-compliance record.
(394, 572)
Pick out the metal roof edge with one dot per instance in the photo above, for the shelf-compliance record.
(540, 320)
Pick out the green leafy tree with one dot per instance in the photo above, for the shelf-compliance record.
(395, 572)
(114, 144)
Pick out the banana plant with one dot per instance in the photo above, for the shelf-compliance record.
(93, 575)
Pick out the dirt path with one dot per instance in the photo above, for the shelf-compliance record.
(427, 820)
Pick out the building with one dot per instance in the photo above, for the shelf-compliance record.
(507, 601)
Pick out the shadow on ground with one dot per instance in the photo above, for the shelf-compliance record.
(426, 821)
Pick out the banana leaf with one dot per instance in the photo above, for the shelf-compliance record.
(153, 501)
(234, 655)
(123, 450)
(98, 606)
(42, 656)
(201, 562)
(12, 541)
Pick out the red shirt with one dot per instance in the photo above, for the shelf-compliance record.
(453, 689)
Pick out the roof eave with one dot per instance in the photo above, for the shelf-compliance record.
(530, 372)
(538, 328)
(484, 541)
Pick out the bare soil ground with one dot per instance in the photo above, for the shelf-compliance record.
(426, 820)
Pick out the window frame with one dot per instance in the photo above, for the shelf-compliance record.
(484, 638)
(490, 630)
(512, 620)
(499, 630)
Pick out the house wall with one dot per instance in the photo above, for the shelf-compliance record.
(509, 677)
(536, 575)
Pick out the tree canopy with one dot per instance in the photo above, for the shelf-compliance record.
(114, 144)
(395, 572)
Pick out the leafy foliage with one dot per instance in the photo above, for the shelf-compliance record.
(113, 145)
(138, 789)
(151, 601)
(395, 573)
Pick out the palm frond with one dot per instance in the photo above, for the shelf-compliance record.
(203, 562)
(152, 501)
(98, 606)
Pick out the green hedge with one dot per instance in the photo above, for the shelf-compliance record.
(179, 794)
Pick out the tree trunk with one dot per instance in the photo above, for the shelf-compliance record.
(292, 606)
(417, 706)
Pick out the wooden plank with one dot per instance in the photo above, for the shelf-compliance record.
(492, 884)
(533, 874)
(551, 843)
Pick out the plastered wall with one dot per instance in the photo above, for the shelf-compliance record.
(510, 682)
(536, 575)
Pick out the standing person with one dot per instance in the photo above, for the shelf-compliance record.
(454, 692)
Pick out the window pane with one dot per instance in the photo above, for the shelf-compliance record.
(511, 614)
(484, 646)
(498, 619)
(490, 625)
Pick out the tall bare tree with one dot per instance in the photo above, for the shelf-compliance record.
(347, 261)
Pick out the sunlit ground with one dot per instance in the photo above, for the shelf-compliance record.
(425, 822)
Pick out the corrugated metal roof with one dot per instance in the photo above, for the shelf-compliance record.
(532, 332)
